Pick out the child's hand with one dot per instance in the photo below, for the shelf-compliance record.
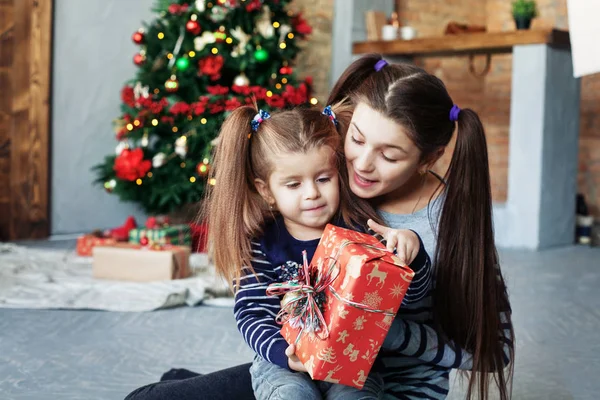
(405, 241)
(293, 361)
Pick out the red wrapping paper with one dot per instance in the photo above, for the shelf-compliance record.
(365, 273)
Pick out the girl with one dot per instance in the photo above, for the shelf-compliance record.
(403, 120)
(278, 182)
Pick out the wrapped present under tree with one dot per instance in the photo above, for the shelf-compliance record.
(134, 262)
(170, 234)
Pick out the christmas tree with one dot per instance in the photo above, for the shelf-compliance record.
(198, 62)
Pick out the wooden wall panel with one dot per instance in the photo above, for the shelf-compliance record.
(26, 49)
(6, 51)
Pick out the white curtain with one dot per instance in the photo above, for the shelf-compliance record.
(585, 34)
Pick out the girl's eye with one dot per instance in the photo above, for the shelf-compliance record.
(355, 140)
(387, 158)
(293, 185)
(324, 179)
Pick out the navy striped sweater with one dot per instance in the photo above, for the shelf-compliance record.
(255, 312)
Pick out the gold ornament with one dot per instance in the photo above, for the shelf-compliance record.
(172, 84)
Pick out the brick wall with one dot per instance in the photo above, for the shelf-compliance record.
(490, 95)
(319, 14)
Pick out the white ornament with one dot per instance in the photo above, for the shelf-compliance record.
(158, 160)
(181, 146)
(241, 80)
(264, 25)
(181, 141)
(144, 141)
(181, 151)
(283, 31)
(140, 91)
(200, 42)
(121, 146)
(243, 38)
(200, 5)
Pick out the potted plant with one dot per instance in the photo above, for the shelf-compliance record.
(523, 12)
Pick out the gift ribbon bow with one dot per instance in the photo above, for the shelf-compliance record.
(303, 310)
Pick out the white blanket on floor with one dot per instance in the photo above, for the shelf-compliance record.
(35, 278)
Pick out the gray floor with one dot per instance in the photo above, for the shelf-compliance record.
(99, 355)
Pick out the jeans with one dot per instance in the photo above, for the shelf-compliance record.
(271, 382)
(227, 384)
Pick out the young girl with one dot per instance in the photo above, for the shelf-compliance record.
(278, 181)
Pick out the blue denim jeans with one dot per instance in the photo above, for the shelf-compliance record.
(271, 382)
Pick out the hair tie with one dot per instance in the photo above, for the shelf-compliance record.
(380, 64)
(329, 112)
(454, 111)
(258, 118)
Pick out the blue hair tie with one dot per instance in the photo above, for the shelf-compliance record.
(380, 64)
(329, 112)
(258, 118)
(454, 111)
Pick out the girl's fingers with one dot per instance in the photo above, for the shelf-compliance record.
(290, 351)
(392, 242)
(377, 228)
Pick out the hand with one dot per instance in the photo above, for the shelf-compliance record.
(293, 361)
(405, 241)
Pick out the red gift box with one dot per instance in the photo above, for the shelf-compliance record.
(363, 286)
(86, 243)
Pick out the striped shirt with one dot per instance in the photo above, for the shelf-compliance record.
(255, 312)
(414, 361)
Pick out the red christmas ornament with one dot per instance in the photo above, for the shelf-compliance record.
(285, 70)
(193, 27)
(202, 169)
(144, 241)
(139, 59)
(138, 38)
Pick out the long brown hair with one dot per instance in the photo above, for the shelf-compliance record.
(469, 293)
(233, 208)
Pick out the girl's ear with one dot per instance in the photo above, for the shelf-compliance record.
(428, 162)
(263, 189)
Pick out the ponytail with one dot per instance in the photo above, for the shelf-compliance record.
(233, 208)
(470, 293)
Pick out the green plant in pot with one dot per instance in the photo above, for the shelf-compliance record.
(523, 12)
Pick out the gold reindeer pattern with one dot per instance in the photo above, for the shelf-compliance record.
(331, 372)
(377, 274)
(351, 352)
